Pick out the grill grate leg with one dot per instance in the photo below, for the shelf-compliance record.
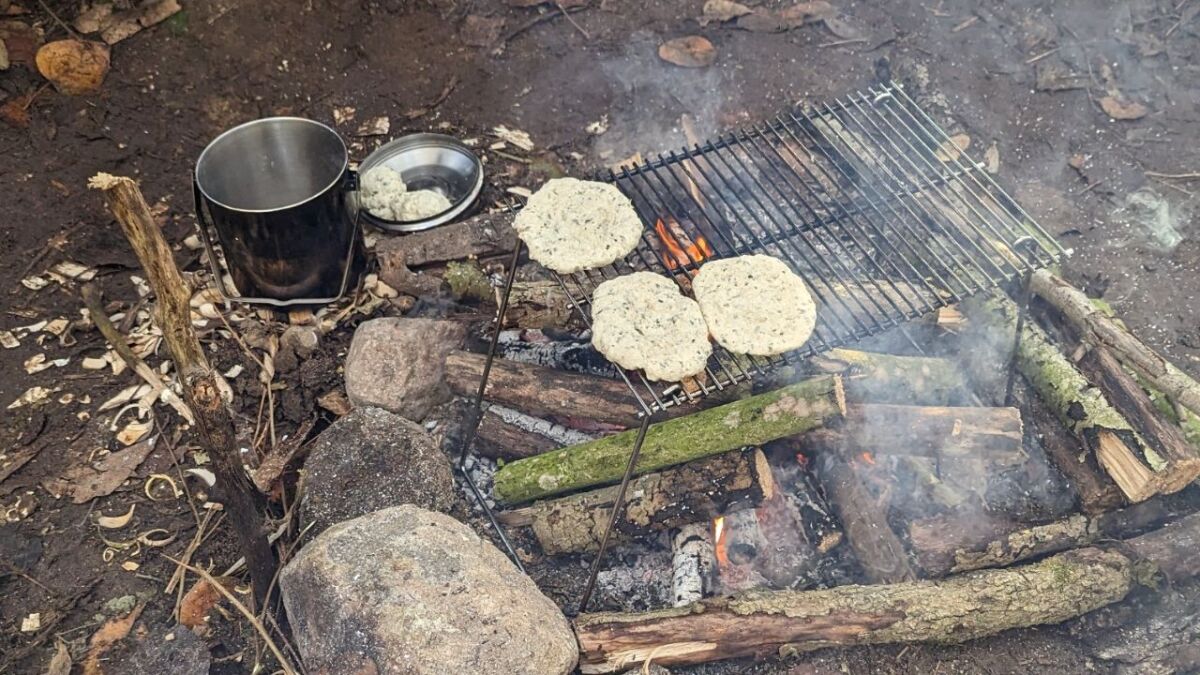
(618, 510)
(477, 408)
(1025, 247)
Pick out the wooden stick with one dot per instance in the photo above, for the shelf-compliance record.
(497, 439)
(952, 610)
(541, 391)
(748, 422)
(1097, 329)
(993, 434)
(692, 492)
(213, 421)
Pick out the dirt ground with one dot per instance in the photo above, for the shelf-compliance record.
(1119, 193)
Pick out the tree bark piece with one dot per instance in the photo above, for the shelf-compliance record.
(749, 422)
(201, 392)
(954, 610)
(536, 304)
(1079, 405)
(864, 520)
(484, 235)
(541, 391)
(1178, 463)
(1097, 329)
(950, 544)
(693, 492)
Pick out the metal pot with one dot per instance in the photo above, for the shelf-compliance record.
(277, 193)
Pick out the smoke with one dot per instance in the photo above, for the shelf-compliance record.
(650, 98)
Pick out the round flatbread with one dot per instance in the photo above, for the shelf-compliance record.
(755, 304)
(642, 322)
(571, 225)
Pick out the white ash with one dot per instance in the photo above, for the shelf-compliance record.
(383, 193)
(555, 432)
(483, 473)
(634, 582)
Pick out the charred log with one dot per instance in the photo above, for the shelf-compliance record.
(689, 493)
(864, 520)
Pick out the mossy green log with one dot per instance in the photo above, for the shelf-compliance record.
(788, 411)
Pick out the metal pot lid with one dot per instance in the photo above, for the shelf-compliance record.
(428, 162)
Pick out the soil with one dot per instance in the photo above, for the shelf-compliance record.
(175, 86)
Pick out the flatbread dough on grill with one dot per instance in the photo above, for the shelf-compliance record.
(571, 225)
(642, 322)
(755, 304)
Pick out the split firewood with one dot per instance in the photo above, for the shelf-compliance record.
(949, 544)
(749, 422)
(864, 520)
(889, 378)
(689, 493)
(1137, 470)
(952, 610)
(200, 382)
(992, 434)
(1163, 438)
(542, 391)
(481, 236)
(1096, 328)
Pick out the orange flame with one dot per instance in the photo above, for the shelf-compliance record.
(678, 255)
(719, 541)
(868, 458)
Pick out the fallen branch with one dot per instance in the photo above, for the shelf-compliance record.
(953, 610)
(864, 520)
(199, 380)
(689, 493)
(1098, 329)
(749, 422)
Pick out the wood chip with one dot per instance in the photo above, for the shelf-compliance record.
(991, 159)
(8, 340)
(950, 150)
(720, 11)
(116, 522)
(692, 51)
(32, 396)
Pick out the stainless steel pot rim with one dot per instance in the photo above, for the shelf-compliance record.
(338, 178)
(385, 151)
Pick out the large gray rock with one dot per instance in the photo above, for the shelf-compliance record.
(399, 364)
(370, 460)
(404, 590)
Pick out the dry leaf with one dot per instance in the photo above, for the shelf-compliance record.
(335, 402)
(32, 396)
(843, 29)
(692, 51)
(1120, 108)
(376, 126)
(720, 11)
(991, 159)
(950, 150)
(112, 632)
(86, 481)
(73, 66)
(60, 663)
(807, 12)
(199, 601)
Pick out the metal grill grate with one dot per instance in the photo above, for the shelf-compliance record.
(866, 198)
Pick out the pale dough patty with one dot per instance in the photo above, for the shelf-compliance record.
(642, 322)
(571, 225)
(755, 304)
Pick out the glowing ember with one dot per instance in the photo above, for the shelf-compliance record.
(868, 458)
(680, 250)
